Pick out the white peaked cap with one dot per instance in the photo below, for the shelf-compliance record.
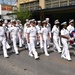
(38, 21)
(64, 23)
(13, 20)
(30, 21)
(56, 21)
(33, 19)
(72, 20)
(27, 19)
(27, 23)
(1, 20)
(44, 21)
(47, 18)
(5, 21)
(18, 21)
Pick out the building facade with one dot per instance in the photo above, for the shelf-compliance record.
(49, 8)
(5, 10)
(44, 4)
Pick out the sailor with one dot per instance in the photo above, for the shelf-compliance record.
(39, 27)
(5, 26)
(3, 39)
(55, 35)
(70, 28)
(49, 28)
(45, 36)
(33, 20)
(28, 44)
(27, 20)
(14, 35)
(31, 37)
(24, 36)
(65, 38)
(10, 24)
(19, 25)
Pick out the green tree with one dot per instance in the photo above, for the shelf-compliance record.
(23, 14)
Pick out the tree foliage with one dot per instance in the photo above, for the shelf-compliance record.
(23, 14)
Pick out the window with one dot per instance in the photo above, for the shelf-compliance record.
(72, 2)
(22, 5)
(55, 5)
(63, 3)
(48, 5)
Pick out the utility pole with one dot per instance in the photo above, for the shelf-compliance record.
(2, 1)
(10, 2)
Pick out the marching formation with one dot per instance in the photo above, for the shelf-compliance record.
(37, 33)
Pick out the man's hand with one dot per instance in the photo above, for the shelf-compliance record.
(28, 40)
(43, 40)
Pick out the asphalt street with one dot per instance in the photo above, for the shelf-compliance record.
(22, 64)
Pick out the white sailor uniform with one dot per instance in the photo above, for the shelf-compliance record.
(45, 34)
(39, 35)
(7, 33)
(19, 34)
(32, 36)
(55, 32)
(3, 41)
(70, 28)
(65, 52)
(14, 35)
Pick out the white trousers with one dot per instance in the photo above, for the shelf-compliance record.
(48, 41)
(41, 42)
(45, 44)
(60, 42)
(15, 43)
(65, 51)
(32, 46)
(7, 45)
(3, 41)
(20, 40)
(56, 43)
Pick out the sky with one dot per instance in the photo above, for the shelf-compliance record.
(11, 2)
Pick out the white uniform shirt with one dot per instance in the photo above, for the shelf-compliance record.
(70, 28)
(24, 31)
(64, 32)
(55, 31)
(9, 25)
(45, 32)
(20, 27)
(2, 31)
(39, 29)
(6, 28)
(14, 31)
(32, 31)
(27, 28)
(49, 27)
(25, 25)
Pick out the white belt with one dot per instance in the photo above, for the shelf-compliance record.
(1, 35)
(32, 36)
(45, 35)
